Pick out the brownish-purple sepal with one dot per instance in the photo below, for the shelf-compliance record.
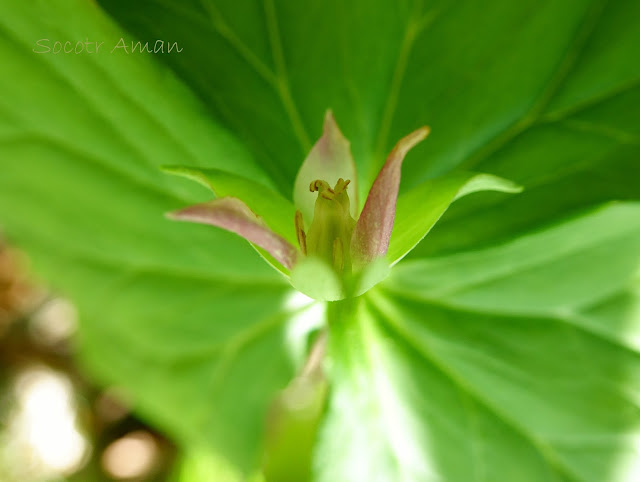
(373, 230)
(232, 214)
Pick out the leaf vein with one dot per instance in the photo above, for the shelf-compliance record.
(283, 86)
(558, 78)
(554, 463)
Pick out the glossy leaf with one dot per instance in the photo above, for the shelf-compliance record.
(543, 98)
(543, 93)
(588, 258)
(420, 209)
(162, 305)
(422, 382)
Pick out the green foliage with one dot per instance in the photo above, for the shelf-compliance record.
(419, 209)
(503, 347)
(275, 210)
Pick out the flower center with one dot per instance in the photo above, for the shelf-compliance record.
(329, 236)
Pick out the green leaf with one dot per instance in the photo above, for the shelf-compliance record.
(420, 209)
(544, 93)
(200, 465)
(274, 209)
(162, 305)
(195, 368)
(587, 259)
(554, 116)
(546, 394)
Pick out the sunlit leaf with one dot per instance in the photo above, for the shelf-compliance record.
(529, 375)
(274, 209)
(498, 372)
(420, 209)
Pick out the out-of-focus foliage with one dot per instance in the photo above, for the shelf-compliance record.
(508, 339)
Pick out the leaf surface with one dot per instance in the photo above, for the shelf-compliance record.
(528, 374)
(419, 209)
(519, 388)
(162, 304)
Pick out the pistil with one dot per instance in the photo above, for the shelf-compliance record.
(329, 236)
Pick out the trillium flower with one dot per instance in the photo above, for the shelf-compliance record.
(323, 243)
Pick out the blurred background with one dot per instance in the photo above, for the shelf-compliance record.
(54, 424)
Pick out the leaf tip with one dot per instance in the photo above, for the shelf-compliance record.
(191, 173)
(172, 215)
(411, 140)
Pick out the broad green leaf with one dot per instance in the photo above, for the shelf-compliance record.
(421, 384)
(539, 92)
(574, 264)
(195, 368)
(581, 170)
(420, 209)
(163, 305)
(543, 93)
(276, 211)
(431, 393)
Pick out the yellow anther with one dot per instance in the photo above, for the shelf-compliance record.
(319, 185)
(325, 189)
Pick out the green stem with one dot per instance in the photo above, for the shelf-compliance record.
(341, 312)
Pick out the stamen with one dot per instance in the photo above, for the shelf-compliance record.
(338, 255)
(327, 195)
(329, 235)
(325, 189)
(319, 185)
(341, 186)
(302, 237)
